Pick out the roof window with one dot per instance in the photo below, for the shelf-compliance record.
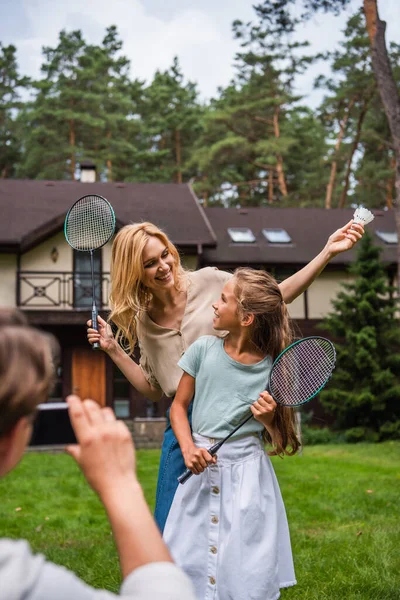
(277, 236)
(241, 235)
(389, 237)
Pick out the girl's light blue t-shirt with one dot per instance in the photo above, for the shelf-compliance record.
(225, 388)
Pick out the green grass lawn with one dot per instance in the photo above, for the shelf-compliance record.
(342, 503)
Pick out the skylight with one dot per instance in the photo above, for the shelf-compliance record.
(277, 236)
(242, 235)
(389, 237)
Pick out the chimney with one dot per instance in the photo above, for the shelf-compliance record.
(88, 171)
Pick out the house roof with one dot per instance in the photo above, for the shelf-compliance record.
(33, 210)
(308, 228)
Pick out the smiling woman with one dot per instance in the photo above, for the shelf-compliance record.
(164, 309)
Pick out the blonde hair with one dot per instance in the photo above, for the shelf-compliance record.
(258, 293)
(129, 297)
(26, 373)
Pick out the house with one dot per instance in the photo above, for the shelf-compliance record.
(42, 275)
(50, 282)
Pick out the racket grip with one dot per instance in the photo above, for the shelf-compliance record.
(188, 473)
(185, 476)
(96, 345)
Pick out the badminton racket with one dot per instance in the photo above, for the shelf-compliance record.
(297, 375)
(89, 225)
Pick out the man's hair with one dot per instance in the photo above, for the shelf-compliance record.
(26, 373)
(12, 316)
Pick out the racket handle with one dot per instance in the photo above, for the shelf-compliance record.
(96, 345)
(185, 476)
(188, 473)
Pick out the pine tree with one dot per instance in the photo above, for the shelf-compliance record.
(52, 119)
(84, 109)
(350, 91)
(279, 12)
(375, 172)
(11, 84)
(110, 139)
(364, 394)
(171, 115)
(249, 134)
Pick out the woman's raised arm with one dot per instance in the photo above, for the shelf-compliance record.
(341, 240)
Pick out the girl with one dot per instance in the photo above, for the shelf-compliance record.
(227, 528)
(164, 308)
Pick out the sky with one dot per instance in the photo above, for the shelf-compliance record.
(154, 31)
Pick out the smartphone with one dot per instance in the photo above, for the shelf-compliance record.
(52, 426)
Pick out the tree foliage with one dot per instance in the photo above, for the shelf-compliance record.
(11, 86)
(364, 393)
(254, 144)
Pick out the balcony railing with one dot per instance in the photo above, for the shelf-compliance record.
(61, 290)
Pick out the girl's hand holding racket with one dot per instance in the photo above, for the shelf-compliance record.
(103, 336)
(197, 459)
(264, 409)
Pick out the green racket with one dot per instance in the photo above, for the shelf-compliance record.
(89, 225)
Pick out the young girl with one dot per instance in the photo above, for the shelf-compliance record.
(228, 527)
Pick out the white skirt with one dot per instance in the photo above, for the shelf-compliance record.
(227, 528)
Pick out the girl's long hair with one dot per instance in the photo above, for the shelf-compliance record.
(129, 298)
(258, 293)
(26, 373)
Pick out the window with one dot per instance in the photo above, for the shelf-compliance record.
(56, 390)
(241, 235)
(122, 405)
(83, 279)
(277, 236)
(389, 237)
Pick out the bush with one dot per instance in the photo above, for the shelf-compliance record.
(360, 434)
(312, 436)
(390, 431)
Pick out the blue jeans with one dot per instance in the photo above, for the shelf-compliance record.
(171, 466)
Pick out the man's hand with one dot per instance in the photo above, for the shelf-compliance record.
(105, 450)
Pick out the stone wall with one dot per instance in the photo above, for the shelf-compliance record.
(146, 433)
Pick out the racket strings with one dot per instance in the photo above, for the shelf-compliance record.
(302, 371)
(90, 223)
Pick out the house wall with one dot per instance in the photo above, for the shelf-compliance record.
(8, 279)
(39, 259)
(189, 262)
(323, 291)
(106, 256)
(297, 308)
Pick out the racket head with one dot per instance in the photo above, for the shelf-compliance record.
(90, 223)
(302, 370)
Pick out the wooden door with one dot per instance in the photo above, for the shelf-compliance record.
(89, 374)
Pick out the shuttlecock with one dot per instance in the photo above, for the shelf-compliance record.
(363, 215)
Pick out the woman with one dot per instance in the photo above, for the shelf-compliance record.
(164, 308)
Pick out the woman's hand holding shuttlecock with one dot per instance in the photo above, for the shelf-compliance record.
(344, 238)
